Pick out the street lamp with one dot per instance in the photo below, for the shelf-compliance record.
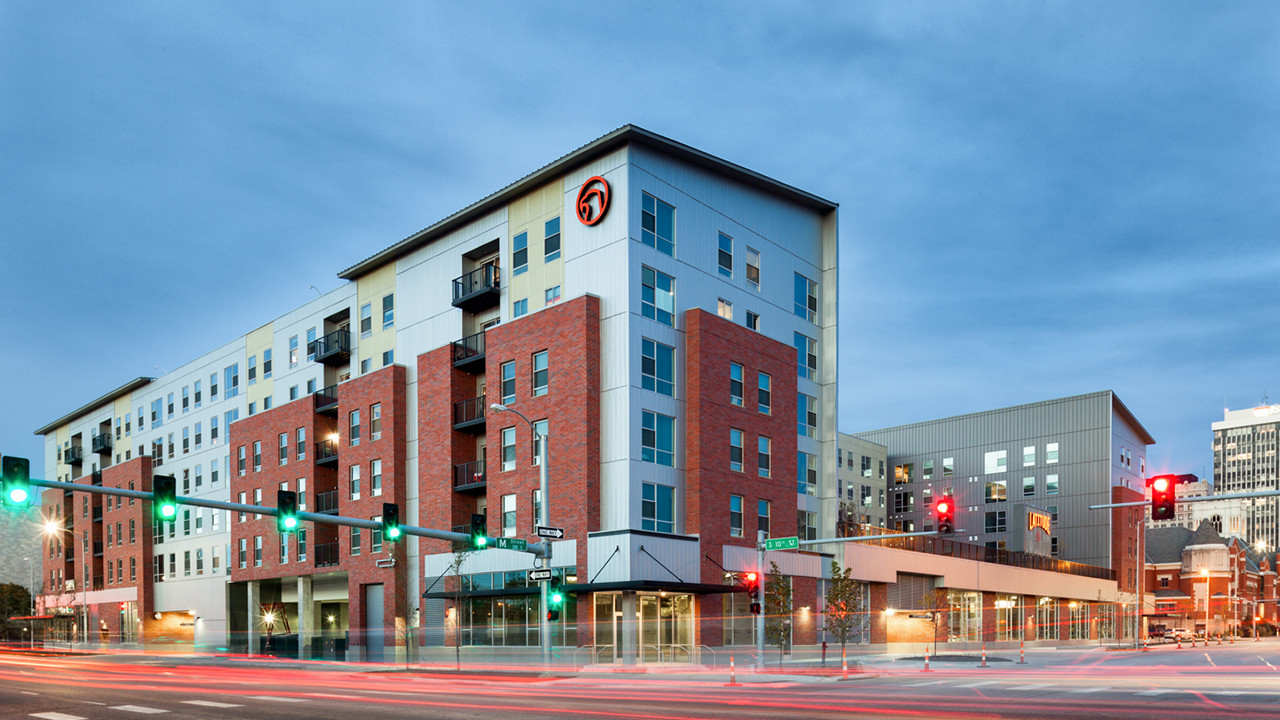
(544, 514)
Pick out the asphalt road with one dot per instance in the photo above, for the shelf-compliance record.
(1235, 681)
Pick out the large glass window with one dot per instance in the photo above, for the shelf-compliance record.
(995, 521)
(763, 456)
(735, 449)
(508, 382)
(658, 225)
(657, 367)
(806, 298)
(724, 257)
(520, 254)
(657, 508)
(807, 355)
(997, 491)
(657, 438)
(807, 474)
(735, 384)
(541, 373)
(996, 461)
(657, 296)
(508, 449)
(807, 415)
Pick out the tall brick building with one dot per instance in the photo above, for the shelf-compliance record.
(660, 314)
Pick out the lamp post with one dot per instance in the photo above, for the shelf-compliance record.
(544, 513)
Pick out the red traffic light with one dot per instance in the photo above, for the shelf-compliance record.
(1160, 484)
(945, 515)
(1163, 497)
(943, 507)
(750, 577)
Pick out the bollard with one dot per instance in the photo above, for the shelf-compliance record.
(1219, 639)
(1231, 639)
(984, 654)
(1022, 652)
(732, 672)
(1144, 644)
(844, 664)
(926, 659)
(1179, 639)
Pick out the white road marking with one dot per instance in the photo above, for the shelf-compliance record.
(1273, 667)
(28, 692)
(276, 698)
(210, 703)
(1036, 686)
(1211, 662)
(980, 684)
(1150, 693)
(139, 709)
(57, 716)
(91, 702)
(923, 684)
(1090, 690)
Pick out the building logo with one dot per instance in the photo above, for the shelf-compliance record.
(1038, 520)
(593, 200)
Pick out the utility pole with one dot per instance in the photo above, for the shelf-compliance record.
(760, 615)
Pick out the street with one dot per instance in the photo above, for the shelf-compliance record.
(1218, 681)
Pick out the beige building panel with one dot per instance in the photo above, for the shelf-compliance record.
(255, 343)
(370, 290)
(529, 214)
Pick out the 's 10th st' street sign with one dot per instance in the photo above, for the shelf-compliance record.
(786, 543)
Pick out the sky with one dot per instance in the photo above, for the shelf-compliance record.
(1037, 199)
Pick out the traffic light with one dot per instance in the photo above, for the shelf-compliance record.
(945, 512)
(478, 539)
(286, 511)
(555, 601)
(15, 477)
(164, 497)
(751, 581)
(1163, 497)
(391, 521)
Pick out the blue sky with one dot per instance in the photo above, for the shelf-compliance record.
(1037, 199)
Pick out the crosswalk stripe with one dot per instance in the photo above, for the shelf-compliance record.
(210, 703)
(1036, 686)
(1090, 690)
(923, 684)
(139, 709)
(980, 684)
(57, 716)
(1150, 693)
(277, 698)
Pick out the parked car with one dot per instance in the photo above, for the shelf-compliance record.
(1180, 634)
(1156, 634)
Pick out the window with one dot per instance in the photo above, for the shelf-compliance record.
(807, 525)
(311, 387)
(186, 440)
(266, 363)
(293, 392)
(1028, 486)
(240, 461)
(866, 495)
(552, 295)
(904, 502)
(157, 417)
(997, 491)
(762, 456)
(257, 551)
(1029, 456)
(213, 430)
(551, 245)
(539, 431)
(1051, 453)
(186, 398)
(199, 435)
(1050, 484)
(388, 311)
(764, 394)
(735, 516)
(253, 369)
(170, 406)
(293, 352)
(724, 309)
(657, 296)
(724, 257)
(657, 225)
(1053, 513)
(1053, 552)
(375, 478)
(353, 482)
(735, 449)
(365, 366)
(657, 367)
(243, 554)
(903, 473)
(354, 425)
(520, 254)
(302, 549)
(355, 541)
(311, 343)
(509, 515)
(242, 501)
(537, 507)
(753, 321)
(366, 320)
(300, 445)
(540, 373)
(231, 378)
(375, 422)
(753, 268)
(762, 517)
(806, 298)
(807, 415)
(657, 438)
(948, 467)
(996, 461)
(866, 466)
(283, 452)
(806, 474)
(927, 472)
(996, 521)
(508, 449)
(657, 508)
(257, 456)
(520, 308)
(735, 384)
(807, 354)
(375, 536)
(508, 383)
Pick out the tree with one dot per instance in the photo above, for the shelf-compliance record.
(777, 609)
(847, 519)
(461, 551)
(844, 603)
(937, 602)
(15, 600)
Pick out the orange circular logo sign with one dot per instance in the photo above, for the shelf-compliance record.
(593, 200)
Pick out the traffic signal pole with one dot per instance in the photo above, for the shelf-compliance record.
(763, 598)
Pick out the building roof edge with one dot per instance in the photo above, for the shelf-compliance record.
(123, 389)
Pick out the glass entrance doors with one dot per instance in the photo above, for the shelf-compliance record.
(666, 628)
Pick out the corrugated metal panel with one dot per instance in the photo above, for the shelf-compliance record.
(908, 593)
(433, 621)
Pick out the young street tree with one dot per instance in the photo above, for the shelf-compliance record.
(844, 603)
(938, 603)
(777, 610)
(461, 551)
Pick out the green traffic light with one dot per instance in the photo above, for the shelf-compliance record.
(291, 522)
(18, 495)
(557, 598)
(168, 511)
(482, 541)
(393, 533)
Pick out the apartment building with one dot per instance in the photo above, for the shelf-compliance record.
(660, 315)
(1244, 460)
(860, 470)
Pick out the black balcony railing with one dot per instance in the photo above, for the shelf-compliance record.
(327, 502)
(97, 548)
(468, 353)
(469, 477)
(97, 514)
(326, 554)
(95, 477)
(102, 443)
(327, 400)
(478, 289)
(332, 349)
(945, 546)
(73, 455)
(326, 452)
(468, 415)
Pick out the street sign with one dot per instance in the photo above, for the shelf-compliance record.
(550, 532)
(787, 543)
(542, 574)
(506, 543)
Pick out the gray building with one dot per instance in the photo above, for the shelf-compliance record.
(1055, 457)
(1245, 460)
(861, 484)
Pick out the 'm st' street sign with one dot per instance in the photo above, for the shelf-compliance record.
(506, 543)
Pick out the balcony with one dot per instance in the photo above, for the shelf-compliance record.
(477, 290)
(97, 548)
(73, 455)
(468, 416)
(95, 477)
(327, 401)
(332, 349)
(469, 477)
(326, 554)
(327, 502)
(327, 452)
(468, 353)
(69, 555)
(102, 444)
(97, 514)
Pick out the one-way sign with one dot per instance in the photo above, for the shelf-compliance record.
(536, 575)
(550, 532)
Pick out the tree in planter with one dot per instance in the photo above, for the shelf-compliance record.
(938, 603)
(777, 610)
(844, 604)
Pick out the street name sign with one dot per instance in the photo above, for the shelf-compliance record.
(787, 543)
(506, 543)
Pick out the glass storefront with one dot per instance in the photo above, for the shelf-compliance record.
(966, 617)
(1046, 619)
(1079, 612)
(513, 620)
(663, 628)
(1008, 617)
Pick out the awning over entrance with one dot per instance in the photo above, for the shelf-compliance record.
(582, 588)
